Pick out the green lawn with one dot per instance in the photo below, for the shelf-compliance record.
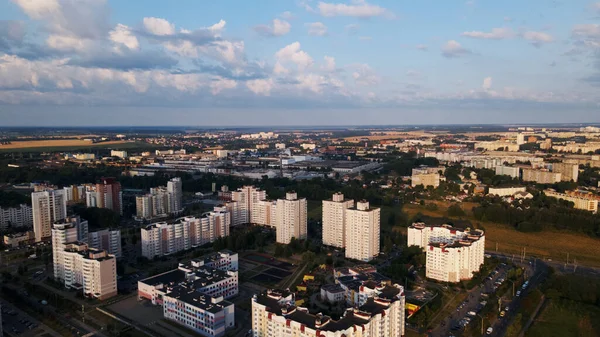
(563, 318)
(315, 209)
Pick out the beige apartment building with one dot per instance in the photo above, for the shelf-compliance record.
(90, 270)
(568, 171)
(425, 177)
(584, 201)
(362, 227)
(291, 218)
(48, 207)
(334, 215)
(541, 176)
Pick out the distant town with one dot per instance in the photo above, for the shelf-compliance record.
(456, 230)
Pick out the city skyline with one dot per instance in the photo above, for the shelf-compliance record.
(307, 62)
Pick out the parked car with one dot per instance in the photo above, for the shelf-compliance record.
(489, 331)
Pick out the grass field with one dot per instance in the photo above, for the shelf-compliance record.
(546, 244)
(563, 318)
(65, 145)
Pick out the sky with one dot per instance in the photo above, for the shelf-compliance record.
(298, 62)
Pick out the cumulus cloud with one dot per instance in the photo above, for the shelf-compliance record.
(287, 15)
(293, 53)
(537, 38)
(591, 30)
(158, 26)
(495, 34)
(453, 49)
(364, 75)
(487, 83)
(260, 86)
(358, 8)
(329, 63)
(276, 28)
(316, 28)
(122, 35)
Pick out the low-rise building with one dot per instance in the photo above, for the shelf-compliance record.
(119, 154)
(586, 201)
(19, 239)
(425, 178)
(332, 293)
(506, 191)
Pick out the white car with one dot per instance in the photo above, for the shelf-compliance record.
(518, 293)
(489, 331)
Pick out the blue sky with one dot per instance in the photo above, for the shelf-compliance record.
(190, 62)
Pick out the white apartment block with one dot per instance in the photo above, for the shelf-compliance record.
(21, 216)
(506, 191)
(106, 239)
(583, 201)
(508, 170)
(48, 207)
(248, 204)
(92, 271)
(541, 176)
(362, 228)
(568, 171)
(495, 145)
(161, 238)
(174, 188)
(308, 146)
(275, 314)
(119, 154)
(452, 254)
(334, 215)
(291, 218)
(425, 177)
(194, 294)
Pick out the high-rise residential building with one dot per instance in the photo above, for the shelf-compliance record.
(334, 215)
(508, 170)
(194, 294)
(21, 216)
(362, 227)
(291, 219)
(161, 201)
(106, 239)
(161, 238)
(92, 271)
(248, 204)
(568, 171)
(48, 207)
(541, 176)
(452, 254)
(276, 314)
(106, 194)
(174, 188)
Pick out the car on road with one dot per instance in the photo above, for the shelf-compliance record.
(506, 309)
(502, 313)
(518, 293)
(489, 331)
(471, 313)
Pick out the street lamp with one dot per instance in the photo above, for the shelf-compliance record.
(481, 323)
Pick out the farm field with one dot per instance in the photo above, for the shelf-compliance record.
(65, 144)
(562, 318)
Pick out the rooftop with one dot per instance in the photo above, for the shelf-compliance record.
(198, 299)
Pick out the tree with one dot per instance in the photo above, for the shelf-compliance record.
(455, 210)
(278, 250)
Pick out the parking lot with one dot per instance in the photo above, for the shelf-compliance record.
(16, 322)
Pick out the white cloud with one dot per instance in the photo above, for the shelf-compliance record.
(67, 43)
(537, 38)
(364, 75)
(454, 49)
(316, 28)
(487, 83)
(122, 35)
(591, 30)
(329, 63)
(219, 84)
(359, 8)
(260, 86)
(287, 15)
(293, 53)
(277, 28)
(217, 27)
(279, 69)
(158, 26)
(495, 34)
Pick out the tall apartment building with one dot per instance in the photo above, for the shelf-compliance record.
(92, 271)
(74, 229)
(48, 207)
(106, 194)
(161, 238)
(334, 223)
(425, 178)
(161, 201)
(248, 200)
(584, 201)
(291, 218)
(541, 176)
(362, 231)
(275, 314)
(508, 170)
(21, 216)
(452, 254)
(75, 193)
(568, 171)
(194, 294)
(174, 188)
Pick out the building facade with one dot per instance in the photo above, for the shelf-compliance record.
(541, 176)
(21, 216)
(291, 218)
(452, 254)
(420, 177)
(362, 228)
(506, 191)
(334, 220)
(568, 171)
(48, 207)
(508, 170)
(106, 194)
(580, 200)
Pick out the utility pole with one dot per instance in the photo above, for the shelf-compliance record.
(83, 313)
(496, 247)
(567, 257)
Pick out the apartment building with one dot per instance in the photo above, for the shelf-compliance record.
(21, 216)
(581, 200)
(334, 223)
(92, 271)
(247, 207)
(162, 238)
(360, 283)
(106, 194)
(425, 177)
(452, 254)
(161, 201)
(568, 171)
(175, 190)
(497, 145)
(362, 228)
(118, 154)
(18, 239)
(508, 170)
(291, 218)
(541, 176)
(506, 191)
(106, 239)
(194, 294)
(48, 207)
(275, 314)
(75, 193)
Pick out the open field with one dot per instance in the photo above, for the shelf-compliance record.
(66, 145)
(564, 319)
(546, 244)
